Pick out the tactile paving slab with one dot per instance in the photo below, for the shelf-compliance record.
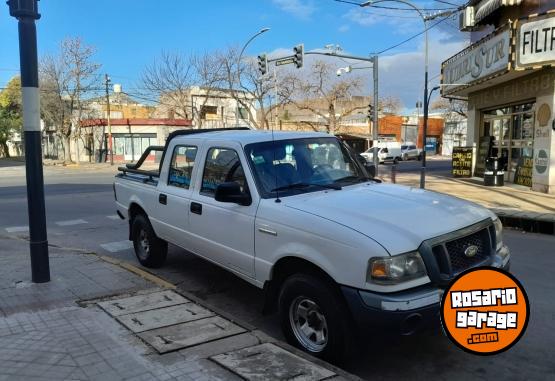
(269, 362)
(188, 334)
(139, 303)
(163, 317)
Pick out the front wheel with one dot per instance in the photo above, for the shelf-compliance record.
(150, 250)
(314, 318)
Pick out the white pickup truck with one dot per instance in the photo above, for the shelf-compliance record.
(297, 215)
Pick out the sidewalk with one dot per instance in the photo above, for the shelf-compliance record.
(98, 320)
(517, 206)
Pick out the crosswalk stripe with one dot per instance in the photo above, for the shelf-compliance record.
(114, 247)
(113, 217)
(17, 229)
(71, 222)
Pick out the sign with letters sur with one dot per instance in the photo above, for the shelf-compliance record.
(535, 42)
(479, 61)
(462, 162)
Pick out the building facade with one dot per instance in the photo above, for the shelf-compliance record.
(508, 78)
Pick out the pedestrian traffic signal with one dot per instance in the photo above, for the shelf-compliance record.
(263, 64)
(298, 55)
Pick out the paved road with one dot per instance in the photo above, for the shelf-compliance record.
(436, 166)
(81, 214)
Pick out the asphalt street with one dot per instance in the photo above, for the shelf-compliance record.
(80, 215)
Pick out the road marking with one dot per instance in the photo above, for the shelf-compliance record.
(113, 217)
(17, 229)
(71, 222)
(114, 247)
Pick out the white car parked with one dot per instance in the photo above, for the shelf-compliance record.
(296, 215)
(409, 151)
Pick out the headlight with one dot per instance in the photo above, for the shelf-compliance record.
(498, 233)
(396, 269)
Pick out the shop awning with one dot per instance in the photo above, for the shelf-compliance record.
(487, 7)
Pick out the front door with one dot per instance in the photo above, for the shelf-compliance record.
(224, 232)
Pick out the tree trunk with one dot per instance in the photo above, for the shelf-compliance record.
(5, 148)
(67, 149)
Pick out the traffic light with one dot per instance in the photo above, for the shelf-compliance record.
(370, 111)
(263, 64)
(298, 54)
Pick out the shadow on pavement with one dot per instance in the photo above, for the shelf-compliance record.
(12, 162)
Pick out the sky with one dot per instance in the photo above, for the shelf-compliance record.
(130, 34)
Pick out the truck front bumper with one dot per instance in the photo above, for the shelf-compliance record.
(405, 312)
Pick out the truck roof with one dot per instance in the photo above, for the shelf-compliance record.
(251, 136)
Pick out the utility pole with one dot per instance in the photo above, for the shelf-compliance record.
(276, 99)
(376, 119)
(26, 12)
(107, 81)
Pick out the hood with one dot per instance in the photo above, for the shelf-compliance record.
(397, 217)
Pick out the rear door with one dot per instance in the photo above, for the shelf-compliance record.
(174, 192)
(223, 232)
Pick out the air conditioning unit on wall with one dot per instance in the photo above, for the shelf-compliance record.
(466, 19)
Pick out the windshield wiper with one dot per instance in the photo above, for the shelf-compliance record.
(306, 185)
(353, 179)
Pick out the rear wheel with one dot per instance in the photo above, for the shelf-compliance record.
(314, 318)
(150, 250)
(396, 160)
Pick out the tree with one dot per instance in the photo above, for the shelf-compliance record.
(452, 109)
(10, 113)
(66, 79)
(169, 79)
(248, 87)
(320, 93)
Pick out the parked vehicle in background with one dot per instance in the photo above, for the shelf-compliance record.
(297, 215)
(385, 154)
(410, 152)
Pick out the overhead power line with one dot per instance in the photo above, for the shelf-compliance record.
(397, 8)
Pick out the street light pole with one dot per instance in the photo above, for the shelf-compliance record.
(26, 12)
(375, 116)
(108, 118)
(263, 30)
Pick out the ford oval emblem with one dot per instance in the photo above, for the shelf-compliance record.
(471, 251)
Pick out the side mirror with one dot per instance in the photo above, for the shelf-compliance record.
(231, 192)
(371, 169)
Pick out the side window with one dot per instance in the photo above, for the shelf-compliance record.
(412, 146)
(222, 165)
(181, 166)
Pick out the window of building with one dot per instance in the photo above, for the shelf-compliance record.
(222, 165)
(181, 167)
(209, 112)
(243, 113)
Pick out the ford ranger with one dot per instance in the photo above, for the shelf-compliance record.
(297, 215)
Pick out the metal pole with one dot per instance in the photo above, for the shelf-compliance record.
(276, 98)
(376, 120)
(109, 120)
(425, 121)
(27, 12)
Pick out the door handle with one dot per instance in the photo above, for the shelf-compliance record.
(162, 199)
(196, 208)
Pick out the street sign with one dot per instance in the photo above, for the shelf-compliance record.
(285, 61)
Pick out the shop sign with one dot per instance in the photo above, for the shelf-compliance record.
(523, 171)
(462, 162)
(541, 161)
(535, 43)
(479, 61)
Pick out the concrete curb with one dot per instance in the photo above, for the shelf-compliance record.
(533, 222)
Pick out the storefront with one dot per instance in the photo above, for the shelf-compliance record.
(511, 97)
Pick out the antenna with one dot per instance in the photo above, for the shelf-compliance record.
(273, 140)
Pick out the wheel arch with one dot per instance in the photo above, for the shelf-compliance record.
(283, 268)
(134, 210)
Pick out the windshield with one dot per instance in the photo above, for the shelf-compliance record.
(302, 165)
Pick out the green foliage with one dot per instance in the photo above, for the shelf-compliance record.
(10, 113)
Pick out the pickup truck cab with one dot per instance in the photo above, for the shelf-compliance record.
(296, 215)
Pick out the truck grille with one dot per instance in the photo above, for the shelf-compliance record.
(456, 251)
(449, 255)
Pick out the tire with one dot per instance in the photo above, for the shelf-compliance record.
(327, 330)
(405, 157)
(396, 160)
(150, 250)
